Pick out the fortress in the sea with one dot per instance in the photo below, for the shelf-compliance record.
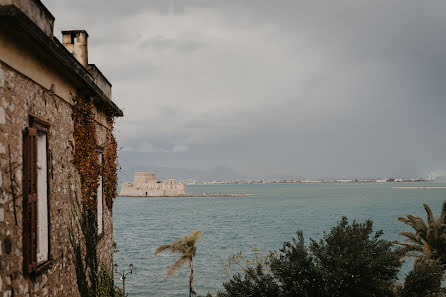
(145, 185)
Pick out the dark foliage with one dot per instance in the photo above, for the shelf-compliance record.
(349, 261)
(424, 280)
(255, 282)
(353, 261)
(294, 268)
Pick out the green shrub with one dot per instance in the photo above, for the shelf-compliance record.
(351, 260)
(254, 282)
(424, 280)
(105, 285)
(295, 269)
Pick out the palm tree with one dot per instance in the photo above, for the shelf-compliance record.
(186, 247)
(429, 238)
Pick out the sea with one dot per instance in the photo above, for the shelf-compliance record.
(271, 215)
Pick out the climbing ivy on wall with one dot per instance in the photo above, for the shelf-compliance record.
(90, 279)
(86, 162)
(85, 150)
(110, 166)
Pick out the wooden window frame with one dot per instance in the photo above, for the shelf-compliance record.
(31, 266)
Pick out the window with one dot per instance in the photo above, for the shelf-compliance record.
(36, 216)
(100, 198)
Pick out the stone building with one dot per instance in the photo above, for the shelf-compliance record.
(145, 185)
(56, 114)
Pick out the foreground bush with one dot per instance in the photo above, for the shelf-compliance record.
(351, 260)
(294, 267)
(424, 280)
(354, 261)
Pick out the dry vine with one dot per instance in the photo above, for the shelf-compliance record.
(14, 187)
(85, 150)
(83, 226)
(110, 167)
(87, 164)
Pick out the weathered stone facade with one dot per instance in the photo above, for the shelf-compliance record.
(39, 79)
(146, 185)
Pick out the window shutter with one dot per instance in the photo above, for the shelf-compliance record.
(30, 209)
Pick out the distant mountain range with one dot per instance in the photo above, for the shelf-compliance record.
(132, 162)
(182, 174)
(130, 165)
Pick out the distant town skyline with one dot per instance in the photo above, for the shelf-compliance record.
(305, 89)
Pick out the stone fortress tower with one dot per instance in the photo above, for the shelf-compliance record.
(143, 178)
(145, 185)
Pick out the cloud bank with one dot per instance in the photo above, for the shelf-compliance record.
(292, 88)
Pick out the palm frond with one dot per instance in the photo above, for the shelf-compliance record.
(186, 247)
(195, 235)
(162, 248)
(411, 247)
(413, 237)
(430, 215)
(417, 223)
(429, 237)
(178, 246)
(410, 255)
(181, 260)
(442, 217)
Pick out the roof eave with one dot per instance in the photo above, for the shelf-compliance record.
(56, 49)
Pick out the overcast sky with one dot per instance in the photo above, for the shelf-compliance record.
(287, 88)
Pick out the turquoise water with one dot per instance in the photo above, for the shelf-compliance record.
(269, 217)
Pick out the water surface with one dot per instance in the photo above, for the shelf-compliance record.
(269, 217)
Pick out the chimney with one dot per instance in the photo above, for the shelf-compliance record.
(76, 42)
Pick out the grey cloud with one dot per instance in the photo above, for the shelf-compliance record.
(131, 72)
(108, 10)
(298, 88)
(162, 43)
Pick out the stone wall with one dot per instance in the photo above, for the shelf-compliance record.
(36, 11)
(100, 80)
(142, 178)
(145, 185)
(21, 97)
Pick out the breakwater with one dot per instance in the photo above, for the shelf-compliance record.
(417, 188)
